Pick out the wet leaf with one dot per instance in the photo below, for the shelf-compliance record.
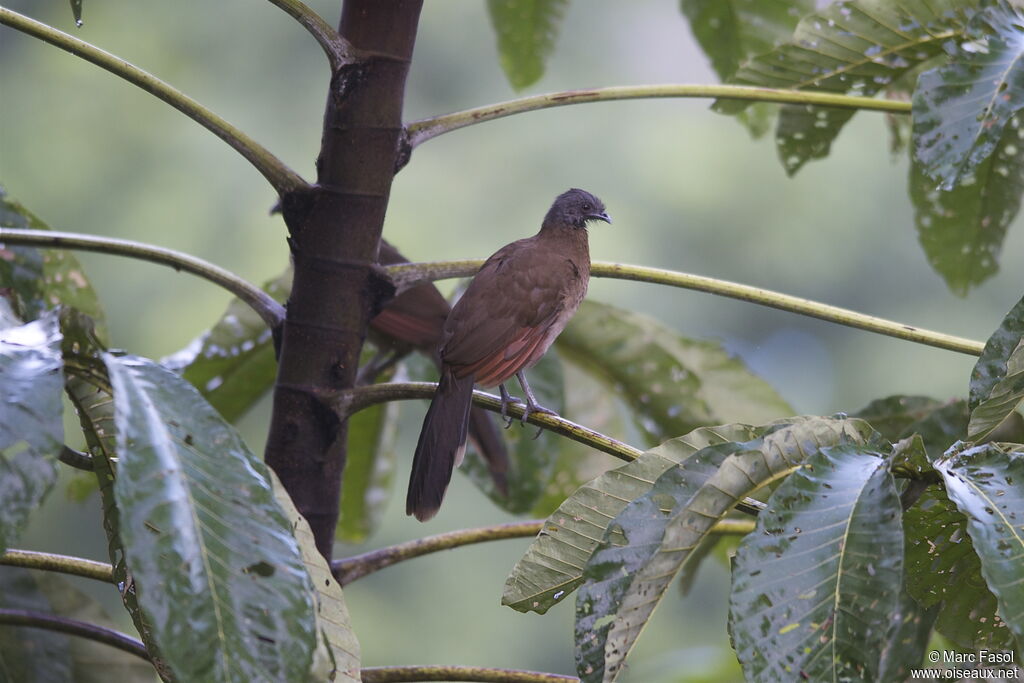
(31, 417)
(991, 365)
(961, 108)
(30, 654)
(856, 48)
(671, 383)
(217, 572)
(909, 634)
(526, 30)
(1002, 399)
(962, 230)
(987, 485)
(553, 565)
(337, 655)
(816, 584)
(943, 571)
(41, 279)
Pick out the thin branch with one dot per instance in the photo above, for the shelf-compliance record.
(349, 569)
(281, 177)
(269, 310)
(419, 132)
(406, 275)
(64, 564)
(337, 49)
(77, 459)
(50, 622)
(404, 674)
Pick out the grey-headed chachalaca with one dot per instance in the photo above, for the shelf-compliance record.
(515, 306)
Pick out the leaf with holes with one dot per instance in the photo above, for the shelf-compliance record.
(815, 586)
(987, 485)
(217, 571)
(991, 365)
(526, 30)
(31, 417)
(892, 415)
(961, 108)
(1002, 399)
(848, 47)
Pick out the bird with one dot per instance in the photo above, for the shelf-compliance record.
(414, 320)
(515, 306)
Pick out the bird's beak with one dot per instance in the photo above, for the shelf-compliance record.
(600, 217)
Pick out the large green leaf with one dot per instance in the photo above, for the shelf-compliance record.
(31, 417)
(987, 485)
(991, 365)
(41, 279)
(527, 30)
(216, 568)
(816, 584)
(943, 571)
(961, 108)
(698, 493)
(891, 416)
(337, 655)
(671, 383)
(909, 634)
(369, 470)
(961, 229)
(1003, 398)
(855, 47)
(29, 654)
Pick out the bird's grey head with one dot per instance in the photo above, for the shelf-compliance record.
(574, 208)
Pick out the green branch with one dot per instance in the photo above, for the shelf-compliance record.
(268, 309)
(50, 622)
(282, 178)
(337, 49)
(64, 564)
(405, 674)
(419, 132)
(406, 275)
(349, 569)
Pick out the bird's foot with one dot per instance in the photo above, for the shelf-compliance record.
(506, 400)
(532, 408)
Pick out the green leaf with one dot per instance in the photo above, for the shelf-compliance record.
(217, 571)
(987, 485)
(31, 419)
(857, 48)
(943, 427)
(908, 637)
(76, 9)
(30, 654)
(366, 487)
(943, 571)
(671, 383)
(526, 30)
(233, 363)
(553, 565)
(961, 108)
(699, 493)
(816, 584)
(1002, 399)
(337, 655)
(961, 230)
(991, 365)
(892, 415)
(41, 279)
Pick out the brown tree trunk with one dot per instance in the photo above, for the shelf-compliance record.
(335, 229)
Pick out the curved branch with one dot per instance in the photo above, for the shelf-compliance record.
(349, 569)
(404, 674)
(268, 309)
(77, 459)
(50, 622)
(406, 275)
(282, 178)
(64, 564)
(420, 131)
(337, 49)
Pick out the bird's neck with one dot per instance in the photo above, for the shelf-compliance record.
(569, 238)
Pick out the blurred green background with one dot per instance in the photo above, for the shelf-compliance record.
(688, 189)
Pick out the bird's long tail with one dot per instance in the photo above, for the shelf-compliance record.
(441, 446)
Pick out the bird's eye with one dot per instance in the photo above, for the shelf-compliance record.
(586, 207)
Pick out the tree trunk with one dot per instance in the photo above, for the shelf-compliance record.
(335, 229)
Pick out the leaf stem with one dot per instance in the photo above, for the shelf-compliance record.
(337, 49)
(406, 275)
(420, 131)
(280, 176)
(63, 564)
(50, 622)
(77, 459)
(349, 569)
(268, 309)
(403, 674)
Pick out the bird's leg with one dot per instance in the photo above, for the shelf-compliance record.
(506, 399)
(531, 402)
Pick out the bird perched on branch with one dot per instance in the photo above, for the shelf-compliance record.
(517, 303)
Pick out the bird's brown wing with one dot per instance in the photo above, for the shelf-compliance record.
(503, 319)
